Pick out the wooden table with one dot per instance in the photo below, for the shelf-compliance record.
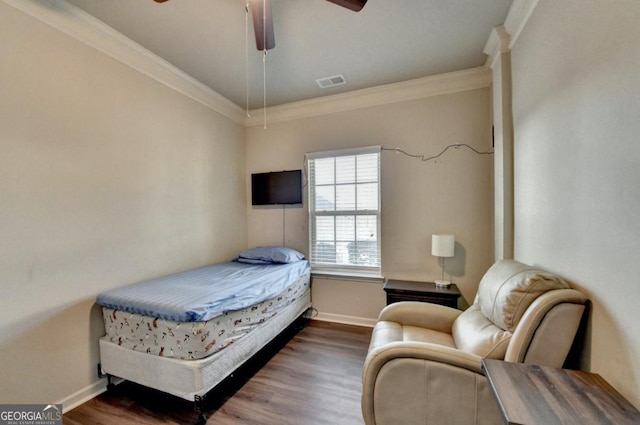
(532, 395)
(404, 290)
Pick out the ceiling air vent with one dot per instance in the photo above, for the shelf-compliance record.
(336, 80)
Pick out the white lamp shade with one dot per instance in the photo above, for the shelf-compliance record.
(442, 245)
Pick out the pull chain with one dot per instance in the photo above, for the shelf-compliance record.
(264, 62)
(264, 93)
(246, 51)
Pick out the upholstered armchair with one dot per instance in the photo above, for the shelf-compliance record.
(424, 360)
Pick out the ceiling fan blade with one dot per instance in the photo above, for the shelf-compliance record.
(355, 5)
(159, 1)
(263, 24)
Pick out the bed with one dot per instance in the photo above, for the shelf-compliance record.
(183, 334)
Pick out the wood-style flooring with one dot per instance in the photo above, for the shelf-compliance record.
(315, 378)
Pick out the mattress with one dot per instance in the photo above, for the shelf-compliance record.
(195, 340)
(204, 293)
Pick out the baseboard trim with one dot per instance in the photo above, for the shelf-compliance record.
(85, 394)
(82, 396)
(345, 320)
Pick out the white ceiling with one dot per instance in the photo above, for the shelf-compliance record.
(388, 41)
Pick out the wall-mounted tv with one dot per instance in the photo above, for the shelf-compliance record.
(276, 188)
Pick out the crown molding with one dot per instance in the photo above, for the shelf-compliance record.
(518, 15)
(85, 28)
(503, 37)
(497, 44)
(436, 85)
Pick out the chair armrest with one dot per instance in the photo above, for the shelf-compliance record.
(547, 329)
(422, 377)
(422, 351)
(424, 315)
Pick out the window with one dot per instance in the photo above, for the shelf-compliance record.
(344, 211)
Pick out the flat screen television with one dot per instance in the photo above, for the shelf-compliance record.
(276, 188)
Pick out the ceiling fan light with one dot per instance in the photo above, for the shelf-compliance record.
(263, 24)
(355, 5)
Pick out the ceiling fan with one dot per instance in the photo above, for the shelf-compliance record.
(263, 21)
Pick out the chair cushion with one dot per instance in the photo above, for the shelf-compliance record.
(509, 287)
(386, 332)
(474, 333)
(414, 333)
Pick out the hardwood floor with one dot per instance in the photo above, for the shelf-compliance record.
(314, 379)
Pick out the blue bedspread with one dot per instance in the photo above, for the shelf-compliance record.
(204, 293)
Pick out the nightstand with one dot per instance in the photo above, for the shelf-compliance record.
(403, 290)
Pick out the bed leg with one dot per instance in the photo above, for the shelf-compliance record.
(198, 405)
(101, 374)
(110, 384)
(202, 419)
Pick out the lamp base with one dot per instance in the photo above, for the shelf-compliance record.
(442, 283)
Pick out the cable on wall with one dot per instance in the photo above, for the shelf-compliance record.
(425, 158)
(310, 313)
(305, 171)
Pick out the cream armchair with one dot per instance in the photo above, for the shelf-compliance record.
(424, 360)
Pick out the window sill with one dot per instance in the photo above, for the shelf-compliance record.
(347, 276)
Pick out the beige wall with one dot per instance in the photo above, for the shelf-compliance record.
(503, 160)
(576, 105)
(451, 194)
(106, 177)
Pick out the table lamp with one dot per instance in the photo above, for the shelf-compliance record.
(442, 246)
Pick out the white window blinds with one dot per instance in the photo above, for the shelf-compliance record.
(344, 211)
